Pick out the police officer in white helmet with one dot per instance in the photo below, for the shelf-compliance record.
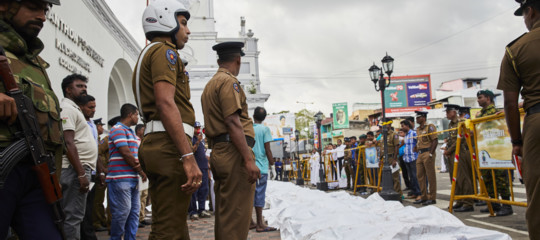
(162, 91)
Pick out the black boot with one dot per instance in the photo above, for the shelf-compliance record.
(505, 211)
(496, 208)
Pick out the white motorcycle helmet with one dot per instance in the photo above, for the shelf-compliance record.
(160, 18)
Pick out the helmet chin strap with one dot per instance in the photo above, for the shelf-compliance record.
(175, 30)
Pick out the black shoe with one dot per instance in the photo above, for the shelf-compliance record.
(505, 211)
(406, 189)
(496, 208)
(429, 202)
(464, 209)
(146, 222)
(480, 203)
(457, 205)
(100, 229)
(141, 225)
(420, 201)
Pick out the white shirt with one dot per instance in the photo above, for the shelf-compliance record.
(340, 151)
(73, 119)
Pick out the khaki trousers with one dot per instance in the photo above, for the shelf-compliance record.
(531, 173)
(142, 212)
(234, 194)
(161, 162)
(464, 183)
(425, 167)
(98, 215)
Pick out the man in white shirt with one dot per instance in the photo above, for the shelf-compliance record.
(340, 154)
(314, 163)
(81, 157)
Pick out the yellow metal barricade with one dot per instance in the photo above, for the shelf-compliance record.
(368, 179)
(464, 132)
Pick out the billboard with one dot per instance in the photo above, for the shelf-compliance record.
(407, 94)
(281, 126)
(341, 115)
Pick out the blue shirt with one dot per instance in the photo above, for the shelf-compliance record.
(119, 170)
(279, 165)
(262, 136)
(353, 153)
(410, 142)
(93, 128)
(200, 155)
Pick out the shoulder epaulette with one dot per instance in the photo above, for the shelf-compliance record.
(515, 40)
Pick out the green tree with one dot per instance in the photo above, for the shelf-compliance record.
(302, 120)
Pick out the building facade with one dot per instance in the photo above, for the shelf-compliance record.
(85, 37)
(202, 60)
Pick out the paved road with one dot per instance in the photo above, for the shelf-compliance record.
(513, 225)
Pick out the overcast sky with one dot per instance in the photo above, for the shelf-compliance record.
(320, 51)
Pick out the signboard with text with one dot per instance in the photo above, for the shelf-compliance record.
(407, 94)
(341, 115)
(494, 145)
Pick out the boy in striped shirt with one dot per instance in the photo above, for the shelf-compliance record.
(123, 175)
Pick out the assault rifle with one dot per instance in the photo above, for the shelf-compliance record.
(31, 142)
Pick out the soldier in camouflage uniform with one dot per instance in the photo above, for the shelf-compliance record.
(347, 161)
(464, 182)
(22, 202)
(485, 99)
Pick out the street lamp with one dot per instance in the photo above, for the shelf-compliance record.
(286, 177)
(322, 184)
(299, 178)
(377, 76)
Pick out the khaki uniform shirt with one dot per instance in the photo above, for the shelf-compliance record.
(393, 140)
(425, 141)
(520, 67)
(161, 63)
(452, 136)
(103, 151)
(221, 98)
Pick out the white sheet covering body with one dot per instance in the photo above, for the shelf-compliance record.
(302, 213)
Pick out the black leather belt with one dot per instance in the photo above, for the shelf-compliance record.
(423, 150)
(534, 109)
(227, 138)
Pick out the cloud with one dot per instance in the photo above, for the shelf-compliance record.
(319, 51)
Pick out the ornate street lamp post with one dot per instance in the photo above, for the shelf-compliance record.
(322, 184)
(285, 173)
(299, 178)
(377, 76)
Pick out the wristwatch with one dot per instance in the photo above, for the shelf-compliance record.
(518, 142)
(430, 154)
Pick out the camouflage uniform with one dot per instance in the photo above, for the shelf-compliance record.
(501, 176)
(22, 199)
(347, 165)
(464, 182)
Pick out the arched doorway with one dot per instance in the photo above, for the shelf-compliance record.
(119, 88)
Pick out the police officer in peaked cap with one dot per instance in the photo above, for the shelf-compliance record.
(520, 75)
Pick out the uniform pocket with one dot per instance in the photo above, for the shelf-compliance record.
(46, 108)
